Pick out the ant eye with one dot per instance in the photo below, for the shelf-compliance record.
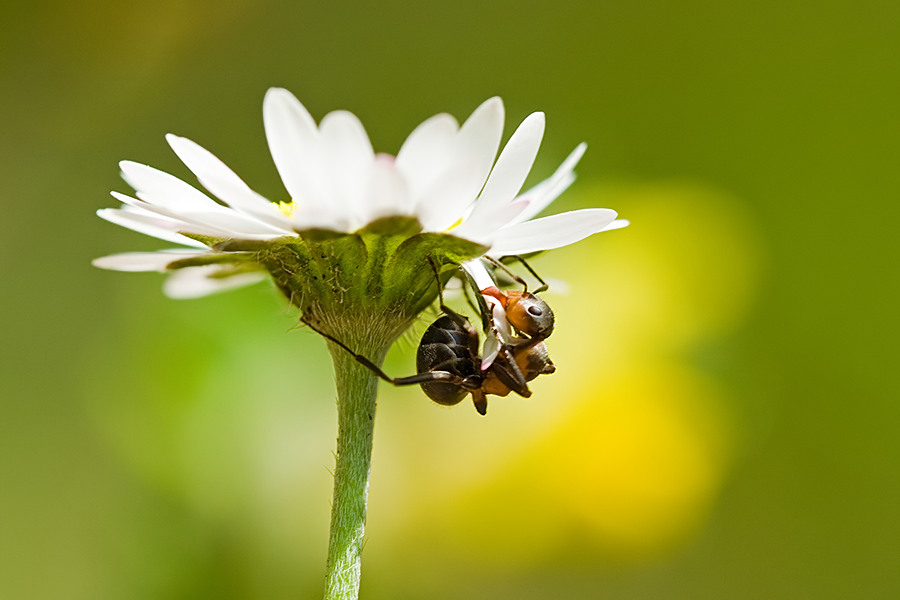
(535, 311)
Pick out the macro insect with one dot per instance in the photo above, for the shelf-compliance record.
(526, 312)
(448, 361)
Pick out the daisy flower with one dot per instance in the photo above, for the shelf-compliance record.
(446, 179)
(353, 246)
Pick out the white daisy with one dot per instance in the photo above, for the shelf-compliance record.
(447, 177)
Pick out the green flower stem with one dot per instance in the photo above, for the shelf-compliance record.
(357, 389)
(364, 289)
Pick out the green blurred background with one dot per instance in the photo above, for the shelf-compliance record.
(724, 421)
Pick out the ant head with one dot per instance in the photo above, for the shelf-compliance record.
(529, 314)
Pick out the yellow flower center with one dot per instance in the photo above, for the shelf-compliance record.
(455, 225)
(287, 208)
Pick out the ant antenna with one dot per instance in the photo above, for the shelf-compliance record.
(543, 287)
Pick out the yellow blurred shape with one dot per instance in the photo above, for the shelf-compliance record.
(629, 475)
(685, 271)
(640, 463)
(622, 452)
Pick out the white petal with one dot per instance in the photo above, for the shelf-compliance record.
(195, 282)
(548, 190)
(238, 225)
(479, 139)
(543, 195)
(427, 152)
(446, 201)
(347, 157)
(158, 227)
(293, 142)
(499, 334)
(219, 221)
(494, 337)
(143, 261)
(551, 232)
(165, 219)
(224, 184)
(479, 273)
(387, 194)
(514, 163)
(475, 149)
(617, 224)
(180, 200)
(160, 188)
(483, 227)
(490, 350)
(500, 324)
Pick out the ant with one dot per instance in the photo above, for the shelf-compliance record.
(526, 312)
(448, 362)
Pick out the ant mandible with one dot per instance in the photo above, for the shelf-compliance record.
(448, 362)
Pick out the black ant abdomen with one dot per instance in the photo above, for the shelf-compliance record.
(448, 345)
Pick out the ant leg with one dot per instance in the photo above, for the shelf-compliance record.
(457, 318)
(359, 357)
(468, 296)
(411, 380)
(480, 401)
(509, 374)
(469, 285)
(440, 287)
(483, 309)
(429, 376)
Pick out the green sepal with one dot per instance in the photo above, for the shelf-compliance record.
(214, 258)
(239, 245)
(441, 247)
(236, 269)
(320, 235)
(393, 226)
(380, 274)
(410, 273)
(203, 239)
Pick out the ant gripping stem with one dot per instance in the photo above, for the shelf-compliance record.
(448, 362)
(419, 378)
(411, 380)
